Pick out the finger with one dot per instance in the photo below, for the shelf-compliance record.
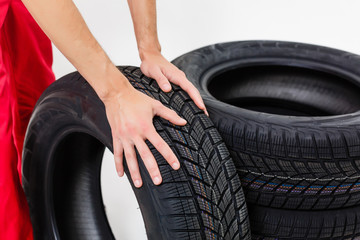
(187, 86)
(169, 114)
(132, 164)
(118, 156)
(149, 161)
(194, 95)
(164, 149)
(161, 80)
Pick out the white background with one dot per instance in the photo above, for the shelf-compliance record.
(184, 25)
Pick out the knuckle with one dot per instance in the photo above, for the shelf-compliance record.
(182, 74)
(168, 156)
(116, 135)
(130, 156)
(168, 153)
(147, 130)
(129, 128)
(161, 145)
(153, 169)
(162, 78)
(117, 154)
(120, 132)
(143, 123)
(145, 155)
(117, 150)
(135, 174)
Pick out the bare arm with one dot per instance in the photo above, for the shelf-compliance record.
(63, 24)
(143, 13)
(128, 111)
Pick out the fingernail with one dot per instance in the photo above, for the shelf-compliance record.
(119, 173)
(183, 120)
(166, 87)
(175, 165)
(137, 183)
(157, 180)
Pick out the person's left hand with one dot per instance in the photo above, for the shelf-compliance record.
(155, 66)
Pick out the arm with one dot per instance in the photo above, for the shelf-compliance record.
(154, 65)
(128, 111)
(63, 24)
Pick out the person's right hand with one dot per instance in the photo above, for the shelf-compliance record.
(130, 114)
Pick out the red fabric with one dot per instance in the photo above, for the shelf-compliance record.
(25, 72)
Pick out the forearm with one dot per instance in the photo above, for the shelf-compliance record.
(143, 13)
(63, 24)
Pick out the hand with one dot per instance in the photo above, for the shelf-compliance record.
(154, 65)
(130, 116)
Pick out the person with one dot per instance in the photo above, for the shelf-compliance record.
(25, 71)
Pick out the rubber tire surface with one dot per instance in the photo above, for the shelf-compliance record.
(62, 157)
(269, 223)
(286, 91)
(284, 161)
(300, 174)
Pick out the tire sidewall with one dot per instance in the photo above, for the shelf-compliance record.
(68, 113)
(203, 63)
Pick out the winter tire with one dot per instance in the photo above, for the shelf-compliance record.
(275, 224)
(289, 114)
(64, 144)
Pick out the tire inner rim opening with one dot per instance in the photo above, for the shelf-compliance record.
(285, 90)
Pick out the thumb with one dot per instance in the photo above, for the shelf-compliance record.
(161, 80)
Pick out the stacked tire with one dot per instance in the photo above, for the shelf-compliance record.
(289, 114)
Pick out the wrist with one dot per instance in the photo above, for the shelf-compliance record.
(112, 83)
(144, 51)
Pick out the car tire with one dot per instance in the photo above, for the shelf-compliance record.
(64, 145)
(289, 114)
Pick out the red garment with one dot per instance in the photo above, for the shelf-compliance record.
(25, 72)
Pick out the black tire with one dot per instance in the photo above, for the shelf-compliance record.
(269, 223)
(265, 98)
(64, 144)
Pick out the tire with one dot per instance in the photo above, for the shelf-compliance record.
(64, 145)
(297, 156)
(268, 223)
(270, 102)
